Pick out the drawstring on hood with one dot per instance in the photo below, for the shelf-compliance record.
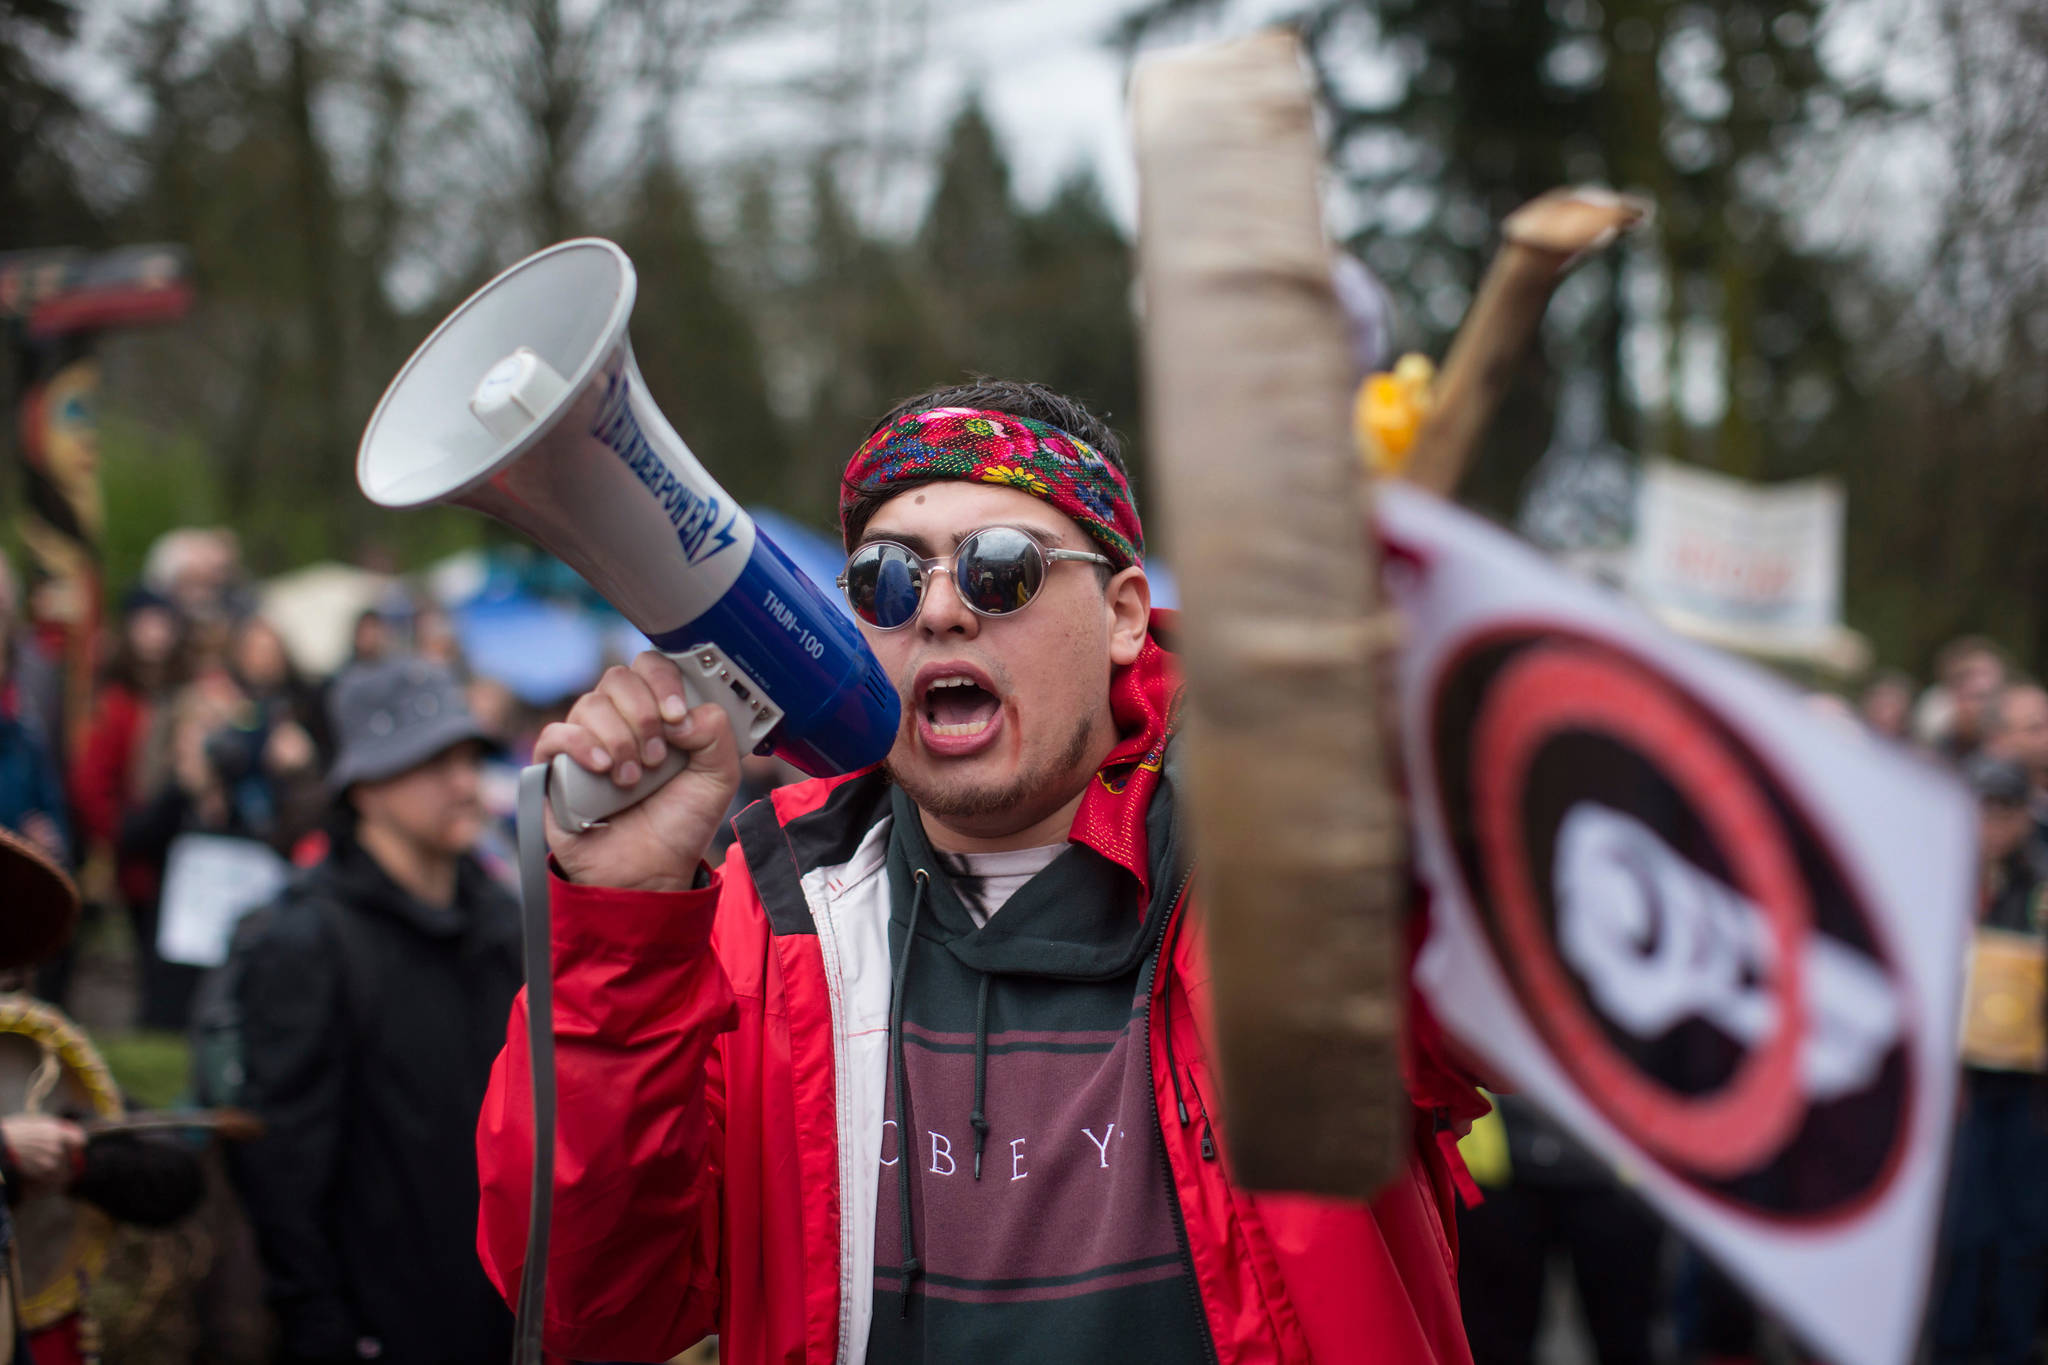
(979, 1120)
(921, 879)
(1053, 928)
(1167, 972)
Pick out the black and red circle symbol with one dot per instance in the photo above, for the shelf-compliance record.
(1673, 923)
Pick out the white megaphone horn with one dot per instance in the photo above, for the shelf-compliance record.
(526, 404)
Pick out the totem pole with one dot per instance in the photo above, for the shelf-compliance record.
(53, 306)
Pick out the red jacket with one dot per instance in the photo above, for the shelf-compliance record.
(102, 786)
(721, 1076)
(103, 782)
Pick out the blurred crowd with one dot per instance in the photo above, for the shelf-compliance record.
(1989, 722)
(362, 960)
(390, 781)
(199, 720)
(362, 964)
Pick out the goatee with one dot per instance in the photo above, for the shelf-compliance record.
(961, 799)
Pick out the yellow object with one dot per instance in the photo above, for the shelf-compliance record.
(1485, 1149)
(1389, 413)
(2003, 1025)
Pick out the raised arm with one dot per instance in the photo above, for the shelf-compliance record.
(639, 1002)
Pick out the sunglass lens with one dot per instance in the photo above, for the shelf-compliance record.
(884, 584)
(998, 570)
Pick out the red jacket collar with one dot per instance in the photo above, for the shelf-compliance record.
(1144, 699)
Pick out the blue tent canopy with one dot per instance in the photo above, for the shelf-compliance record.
(543, 651)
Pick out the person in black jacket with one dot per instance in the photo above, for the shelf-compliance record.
(1988, 1305)
(1551, 1195)
(373, 1002)
(235, 770)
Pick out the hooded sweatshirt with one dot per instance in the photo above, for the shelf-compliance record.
(370, 1020)
(1041, 1223)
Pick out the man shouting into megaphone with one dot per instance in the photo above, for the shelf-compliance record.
(921, 1074)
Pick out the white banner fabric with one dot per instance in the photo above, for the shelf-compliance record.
(1713, 932)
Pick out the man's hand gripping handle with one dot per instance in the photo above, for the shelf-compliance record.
(581, 799)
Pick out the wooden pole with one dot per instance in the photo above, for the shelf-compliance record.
(1540, 242)
(1299, 837)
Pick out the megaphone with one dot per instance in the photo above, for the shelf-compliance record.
(526, 404)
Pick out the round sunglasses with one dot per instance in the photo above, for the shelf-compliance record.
(996, 570)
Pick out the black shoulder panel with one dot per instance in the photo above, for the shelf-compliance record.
(778, 855)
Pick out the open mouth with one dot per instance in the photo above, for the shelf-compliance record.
(957, 706)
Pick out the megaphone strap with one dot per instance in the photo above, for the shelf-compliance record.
(540, 1051)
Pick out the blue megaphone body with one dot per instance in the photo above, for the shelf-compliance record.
(526, 404)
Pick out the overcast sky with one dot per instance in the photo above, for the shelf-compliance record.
(1056, 93)
(1054, 90)
(1050, 85)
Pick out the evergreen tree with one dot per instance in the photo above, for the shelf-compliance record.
(42, 133)
(1042, 296)
(872, 334)
(1074, 311)
(696, 347)
(971, 251)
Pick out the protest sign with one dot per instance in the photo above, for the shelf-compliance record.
(210, 882)
(1715, 934)
(1750, 567)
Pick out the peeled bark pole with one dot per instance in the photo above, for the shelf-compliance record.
(1299, 839)
(1540, 242)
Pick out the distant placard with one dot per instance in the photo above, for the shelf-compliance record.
(1738, 557)
(1719, 941)
(210, 882)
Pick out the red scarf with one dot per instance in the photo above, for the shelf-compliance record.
(1144, 700)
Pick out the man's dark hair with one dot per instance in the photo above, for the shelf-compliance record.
(1016, 397)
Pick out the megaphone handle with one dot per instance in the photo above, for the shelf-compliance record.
(582, 799)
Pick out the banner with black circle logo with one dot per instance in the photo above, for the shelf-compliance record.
(1714, 931)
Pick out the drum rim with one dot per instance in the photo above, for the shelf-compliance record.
(86, 1256)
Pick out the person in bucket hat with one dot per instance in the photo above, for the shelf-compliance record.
(370, 998)
(389, 718)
